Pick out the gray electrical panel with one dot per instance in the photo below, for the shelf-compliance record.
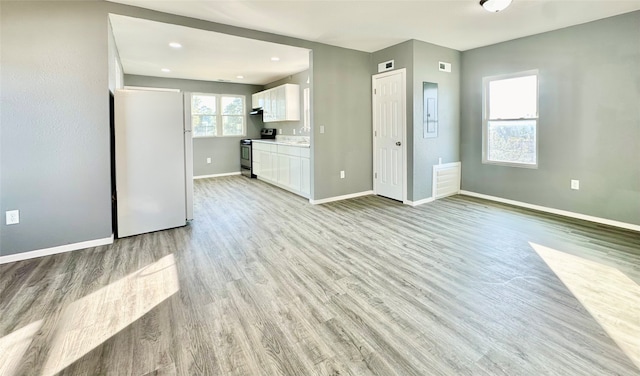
(430, 109)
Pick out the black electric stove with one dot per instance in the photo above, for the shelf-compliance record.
(246, 167)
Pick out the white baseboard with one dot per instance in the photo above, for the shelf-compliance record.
(338, 198)
(55, 250)
(216, 175)
(565, 213)
(419, 202)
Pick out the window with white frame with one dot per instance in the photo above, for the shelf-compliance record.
(217, 115)
(510, 121)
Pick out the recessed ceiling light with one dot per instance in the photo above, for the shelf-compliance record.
(240, 77)
(175, 45)
(275, 58)
(166, 70)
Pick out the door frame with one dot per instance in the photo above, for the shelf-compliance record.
(403, 74)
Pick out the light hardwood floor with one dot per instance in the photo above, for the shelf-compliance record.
(263, 283)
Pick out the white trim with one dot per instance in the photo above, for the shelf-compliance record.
(219, 115)
(339, 198)
(419, 202)
(151, 88)
(486, 118)
(216, 175)
(584, 217)
(403, 73)
(55, 250)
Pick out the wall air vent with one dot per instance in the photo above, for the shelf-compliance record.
(386, 66)
(446, 180)
(444, 67)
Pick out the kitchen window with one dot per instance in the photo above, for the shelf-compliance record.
(217, 115)
(510, 120)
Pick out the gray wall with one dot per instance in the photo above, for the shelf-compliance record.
(341, 102)
(54, 123)
(288, 127)
(55, 164)
(589, 120)
(223, 151)
(421, 61)
(54, 157)
(426, 151)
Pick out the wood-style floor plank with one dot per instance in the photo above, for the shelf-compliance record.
(267, 284)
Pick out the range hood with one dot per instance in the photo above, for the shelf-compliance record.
(256, 111)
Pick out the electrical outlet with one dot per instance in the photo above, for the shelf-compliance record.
(341, 174)
(280, 131)
(294, 131)
(13, 217)
(208, 160)
(575, 184)
(322, 129)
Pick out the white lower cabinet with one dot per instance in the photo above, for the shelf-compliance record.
(289, 172)
(283, 165)
(267, 166)
(263, 160)
(256, 168)
(284, 170)
(305, 177)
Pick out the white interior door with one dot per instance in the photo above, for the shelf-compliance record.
(389, 158)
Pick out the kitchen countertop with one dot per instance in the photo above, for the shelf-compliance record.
(287, 143)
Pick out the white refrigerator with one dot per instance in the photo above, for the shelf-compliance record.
(153, 161)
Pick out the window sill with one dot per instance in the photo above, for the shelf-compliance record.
(511, 164)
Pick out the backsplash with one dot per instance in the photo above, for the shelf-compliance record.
(289, 129)
(287, 138)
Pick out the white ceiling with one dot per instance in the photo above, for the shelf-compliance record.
(357, 24)
(144, 49)
(372, 25)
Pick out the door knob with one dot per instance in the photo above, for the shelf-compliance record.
(398, 143)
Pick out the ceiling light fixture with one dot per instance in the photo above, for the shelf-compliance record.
(275, 58)
(166, 70)
(175, 45)
(240, 77)
(495, 5)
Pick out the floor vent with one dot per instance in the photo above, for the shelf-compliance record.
(446, 180)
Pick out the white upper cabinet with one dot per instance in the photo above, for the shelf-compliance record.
(282, 103)
(257, 100)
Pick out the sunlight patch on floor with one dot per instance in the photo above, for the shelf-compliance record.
(14, 345)
(612, 298)
(88, 322)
